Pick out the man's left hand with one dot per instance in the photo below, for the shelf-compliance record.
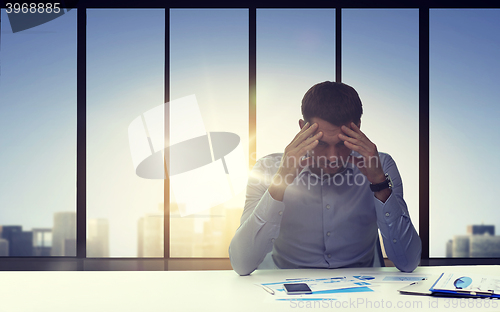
(369, 162)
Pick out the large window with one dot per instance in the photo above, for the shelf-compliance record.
(125, 79)
(380, 60)
(464, 71)
(295, 50)
(38, 138)
(209, 81)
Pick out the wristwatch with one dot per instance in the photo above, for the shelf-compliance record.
(382, 186)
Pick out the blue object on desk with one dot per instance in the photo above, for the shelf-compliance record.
(462, 282)
(364, 278)
(343, 290)
(331, 291)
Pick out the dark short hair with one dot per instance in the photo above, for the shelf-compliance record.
(334, 102)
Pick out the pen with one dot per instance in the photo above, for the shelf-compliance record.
(305, 278)
(269, 290)
(331, 278)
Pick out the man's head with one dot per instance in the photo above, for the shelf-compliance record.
(334, 102)
(331, 105)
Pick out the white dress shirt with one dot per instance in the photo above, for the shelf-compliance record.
(323, 222)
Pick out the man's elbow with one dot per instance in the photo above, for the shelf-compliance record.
(412, 261)
(239, 265)
(241, 271)
(408, 267)
(240, 268)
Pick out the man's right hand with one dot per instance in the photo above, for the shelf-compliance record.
(293, 160)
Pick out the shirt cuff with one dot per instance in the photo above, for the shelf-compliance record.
(388, 211)
(269, 209)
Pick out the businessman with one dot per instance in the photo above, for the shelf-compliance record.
(319, 204)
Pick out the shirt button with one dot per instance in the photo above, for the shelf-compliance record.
(394, 240)
(329, 255)
(272, 240)
(281, 213)
(327, 233)
(387, 214)
(327, 206)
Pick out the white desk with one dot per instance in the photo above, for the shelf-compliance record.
(209, 291)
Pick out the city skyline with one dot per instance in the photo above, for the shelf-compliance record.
(479, 242)
(59, 240)
(195, 236)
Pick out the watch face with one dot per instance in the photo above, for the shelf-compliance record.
(388, 178)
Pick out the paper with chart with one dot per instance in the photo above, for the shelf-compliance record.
(468, 284)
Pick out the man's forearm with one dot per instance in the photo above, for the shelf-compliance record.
(254, 239)
(277, 190)
(405, 250)
(280, 182)
(401, 241)
(246, 251)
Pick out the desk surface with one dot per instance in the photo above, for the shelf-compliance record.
(212, 291)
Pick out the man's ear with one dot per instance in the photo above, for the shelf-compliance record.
(301, 123)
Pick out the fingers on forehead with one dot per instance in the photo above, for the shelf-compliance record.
(348, 130)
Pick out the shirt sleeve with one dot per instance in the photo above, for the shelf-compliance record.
(401, 242)
(260, 221)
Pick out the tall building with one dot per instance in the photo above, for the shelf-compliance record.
(42, 242)
(182, 236)
(449, 248)
(485, 246)
(481, 229)
(8, 231)
(479, 242)
(98, 238)
(70, 246)
(460, 246)
(203, 235)
(64, 234)
(20, 243)
(4, 247)
(150, 236)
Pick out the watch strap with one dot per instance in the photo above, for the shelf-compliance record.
(383, 185)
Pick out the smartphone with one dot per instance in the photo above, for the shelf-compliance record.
(297, 289)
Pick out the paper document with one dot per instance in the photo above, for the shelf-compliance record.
(319, 285)
(468, 285)
(391, 277)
